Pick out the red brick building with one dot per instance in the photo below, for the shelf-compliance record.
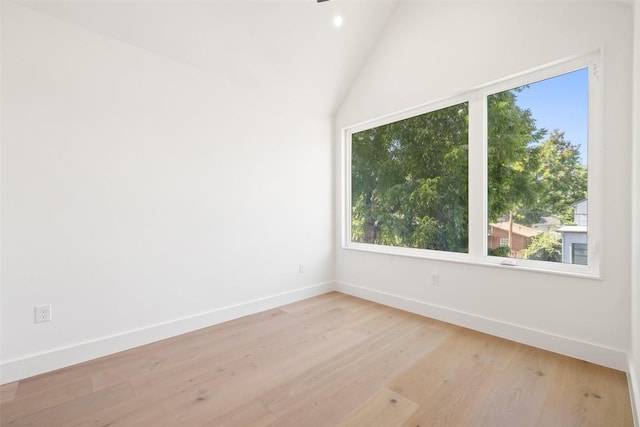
(521, 237)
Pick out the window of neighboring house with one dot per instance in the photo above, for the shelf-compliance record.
(510, 155)
(579, 253)
(409, 182)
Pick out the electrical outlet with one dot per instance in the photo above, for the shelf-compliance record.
(42, 313)
(435, 279)
(300, 268)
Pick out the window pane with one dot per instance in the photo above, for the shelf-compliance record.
(537, 169)
(579, 253)
(409, 182)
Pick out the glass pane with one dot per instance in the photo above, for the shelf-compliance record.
(537, 169)
(409, 182)
(579, 253)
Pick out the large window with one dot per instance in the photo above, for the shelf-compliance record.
(537, 166)
(498, 175)
(409, 182)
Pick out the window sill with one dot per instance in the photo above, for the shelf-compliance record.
(569, 270)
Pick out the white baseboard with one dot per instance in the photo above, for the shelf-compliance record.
(590, 352)
(634, 392)
(25, 367)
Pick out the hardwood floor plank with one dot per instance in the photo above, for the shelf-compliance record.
(180, 350)
(246, 347)
(52, 380)
(462, 350)
(330, 401)
(519, 395)
(585, 394)
(64, 414)
(326, 361)
(450, 384)
(22, 407)
(198, 395)
(254, 414)
(319, 376)
(379, 319)
(8, 392)
(256, 377)
(312, 304)
(353, 304)
(386, 408)
(186, 350)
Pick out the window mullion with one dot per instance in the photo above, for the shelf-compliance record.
(477, 178)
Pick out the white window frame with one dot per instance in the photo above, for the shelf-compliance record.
(478, 177)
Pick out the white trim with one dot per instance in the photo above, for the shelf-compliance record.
(571, 270)
(478, 179)
(411, 252)
(411, 112)
(345, 217)
(609, 357)
(632, 377)
(13, 370)
(545, 72)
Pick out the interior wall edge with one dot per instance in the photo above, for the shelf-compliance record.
(17, 369)
(634, 353)
(590, 352)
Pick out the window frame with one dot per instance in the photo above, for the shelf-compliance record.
(478, 175)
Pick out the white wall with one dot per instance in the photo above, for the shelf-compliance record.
(143, 198)
(634, 356)
(432, 50)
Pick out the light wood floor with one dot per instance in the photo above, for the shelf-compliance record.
(332, 360)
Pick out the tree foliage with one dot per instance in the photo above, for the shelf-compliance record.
(409, 182)
(561, 178)
(512, 160)
(545, 247)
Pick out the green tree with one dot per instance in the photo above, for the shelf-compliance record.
(561, 178)
(545, 247)
(512, 157)
(409, 182)
(374, 170)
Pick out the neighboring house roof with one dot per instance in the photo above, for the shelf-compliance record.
(572, 229)
(517, 229)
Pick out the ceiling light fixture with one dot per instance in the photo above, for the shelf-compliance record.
(337, 21)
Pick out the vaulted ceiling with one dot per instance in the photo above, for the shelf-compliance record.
(282, 48)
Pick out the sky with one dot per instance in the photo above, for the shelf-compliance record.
(561, 103)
